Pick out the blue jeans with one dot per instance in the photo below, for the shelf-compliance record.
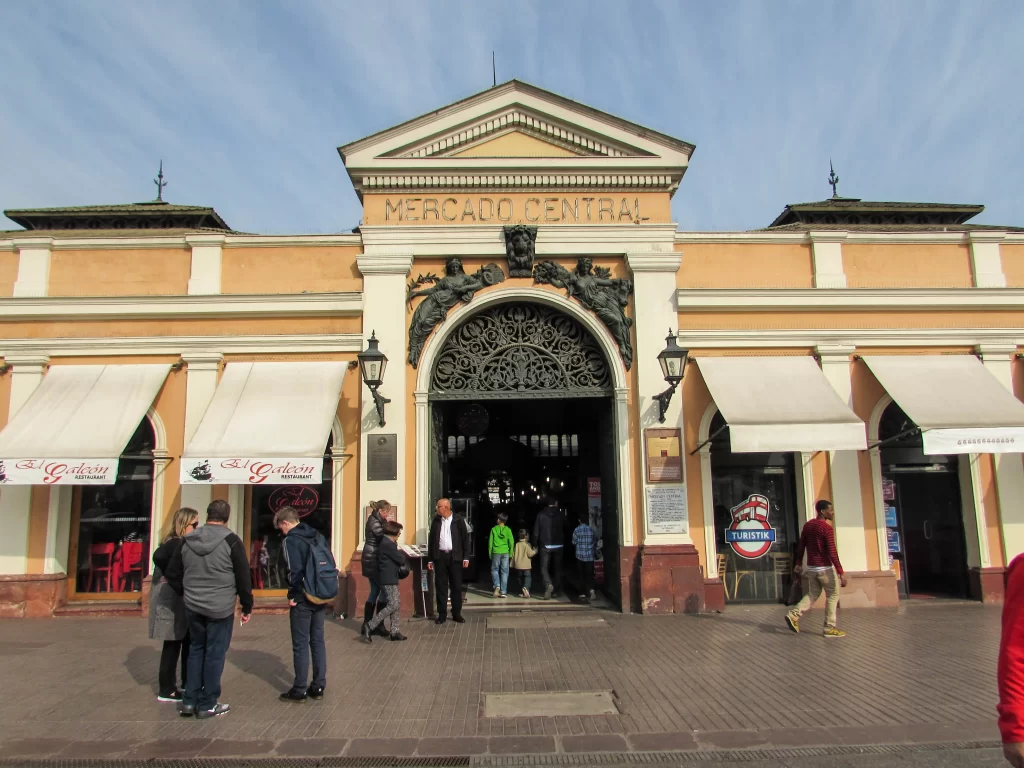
(499, 572)
(307, 625)
(210, 639)
(525, 579)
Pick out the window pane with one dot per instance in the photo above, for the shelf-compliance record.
(266, 548)
(113, 535)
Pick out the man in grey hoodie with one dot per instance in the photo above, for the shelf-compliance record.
(209, 570)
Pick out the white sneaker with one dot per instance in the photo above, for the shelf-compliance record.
(497, 591)
(593, 595)
(526, 592)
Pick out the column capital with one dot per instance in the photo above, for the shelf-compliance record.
(200, 360)
(27, 361)
(998, 349)
(654, 261)
(828, 236)
(385, 263)
(834, 353)
(22, 243)
(210, 240)
(985, 236)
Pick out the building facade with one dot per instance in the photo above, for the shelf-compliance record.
(518, 266)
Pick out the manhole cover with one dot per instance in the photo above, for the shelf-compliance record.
(549, 704)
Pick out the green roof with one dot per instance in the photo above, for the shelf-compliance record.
(156, 214)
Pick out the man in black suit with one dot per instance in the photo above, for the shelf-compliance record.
(447, 555)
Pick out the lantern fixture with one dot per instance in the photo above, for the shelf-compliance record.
(372, 363)
(672, 360)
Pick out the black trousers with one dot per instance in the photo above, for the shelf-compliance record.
(172, 650)
(551, 567)
(448, 576)
(586, 576)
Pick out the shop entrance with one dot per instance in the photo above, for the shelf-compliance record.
(521, 408)
(924, 518)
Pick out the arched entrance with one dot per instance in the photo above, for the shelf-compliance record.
(924, 519)
(521, 404)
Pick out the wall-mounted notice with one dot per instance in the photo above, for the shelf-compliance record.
(666, 509)
(664, 455)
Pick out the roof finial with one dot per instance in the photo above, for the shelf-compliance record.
(833, 179)
(494, 69)
(160, 183)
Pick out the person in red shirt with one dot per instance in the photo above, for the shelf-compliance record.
(819, 541)
(1011, 665)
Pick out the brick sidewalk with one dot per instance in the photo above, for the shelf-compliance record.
(920, 673)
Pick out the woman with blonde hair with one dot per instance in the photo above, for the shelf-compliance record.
(167, 620)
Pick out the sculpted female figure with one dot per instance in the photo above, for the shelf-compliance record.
(454, 287)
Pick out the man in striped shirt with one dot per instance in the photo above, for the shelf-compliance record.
(819, 541)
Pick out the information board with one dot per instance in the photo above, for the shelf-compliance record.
(382, 457)
(666, 509)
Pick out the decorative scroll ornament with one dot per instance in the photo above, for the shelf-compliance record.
(445, 293)
(598, 291)
(520, 242)
(525, 350)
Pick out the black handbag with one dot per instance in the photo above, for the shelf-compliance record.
(404, 570)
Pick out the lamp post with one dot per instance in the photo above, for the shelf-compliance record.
(372, 363)
(672, 360)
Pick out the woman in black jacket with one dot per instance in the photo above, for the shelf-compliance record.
(391, 568)
(372, 534)
(167, 610)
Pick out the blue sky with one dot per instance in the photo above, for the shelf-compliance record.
(246, 102)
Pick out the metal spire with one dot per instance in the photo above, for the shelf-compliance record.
(494, 69)
(160, 183)
(832, 178)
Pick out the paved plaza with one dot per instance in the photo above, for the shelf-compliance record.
(920, 674)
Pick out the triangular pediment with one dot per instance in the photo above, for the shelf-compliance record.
(516, 135)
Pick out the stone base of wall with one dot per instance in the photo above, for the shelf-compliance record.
(357, 590)
(714, 595)
(867, 589)
(671, 579)
(986, 584)
(32, 595)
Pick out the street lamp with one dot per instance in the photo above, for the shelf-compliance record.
(672, 360)
(372, 363)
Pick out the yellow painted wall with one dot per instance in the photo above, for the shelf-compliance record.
(939, 265)
(145, 272)
(180, 327)
(301, 269)
(739, 265)
(515, 144)
(8, 272)
(1013, 264)
(696, 399)
(847, 320)
(867, 392)
(991, 502)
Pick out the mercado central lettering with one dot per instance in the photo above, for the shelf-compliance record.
(518, 314)
(516, 209)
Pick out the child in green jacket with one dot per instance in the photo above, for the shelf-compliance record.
(499, 548)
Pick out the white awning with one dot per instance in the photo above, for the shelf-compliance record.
(959, 406)
(268, 424)
(780, 404)
(77, 423)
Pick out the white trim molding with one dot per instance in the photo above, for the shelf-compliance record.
(849, 299)
(221, 306)
(156, 240)
(175, 345)
(766, 338)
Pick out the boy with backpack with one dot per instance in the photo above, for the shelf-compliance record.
(312, 586)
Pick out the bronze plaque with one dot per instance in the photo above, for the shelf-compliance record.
(382, 457)
(664, 455)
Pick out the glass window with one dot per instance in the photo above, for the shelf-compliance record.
(114, 523)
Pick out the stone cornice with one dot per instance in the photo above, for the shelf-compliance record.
(179, 241)
(498, 179)
(654, 261)
(150, 307)
(385, 262)
(842, 299)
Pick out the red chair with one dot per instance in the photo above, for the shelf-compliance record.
(255, 571)
(131, 555)
(105, 554)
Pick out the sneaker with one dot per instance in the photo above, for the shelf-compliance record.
(833, 632)
(397, 636)
(173, 696)
(593, 595)
(186, 710)
(503, 595)
(497, 591)
(526, 593)
(293, 695)
(217, 711)
(793, 621)
(315, 692)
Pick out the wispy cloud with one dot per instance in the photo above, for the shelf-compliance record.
(246, 102)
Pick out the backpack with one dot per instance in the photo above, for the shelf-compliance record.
(320, 578)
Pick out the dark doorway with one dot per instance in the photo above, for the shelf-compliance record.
(924, 517)
(505, 455)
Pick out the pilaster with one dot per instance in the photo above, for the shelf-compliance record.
(986, 259)
(384, 314)
(206, 263)
(1009, 469)
(844, 468)
(201, 376)
(827, 254)
(16, 500)
(33, 266)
